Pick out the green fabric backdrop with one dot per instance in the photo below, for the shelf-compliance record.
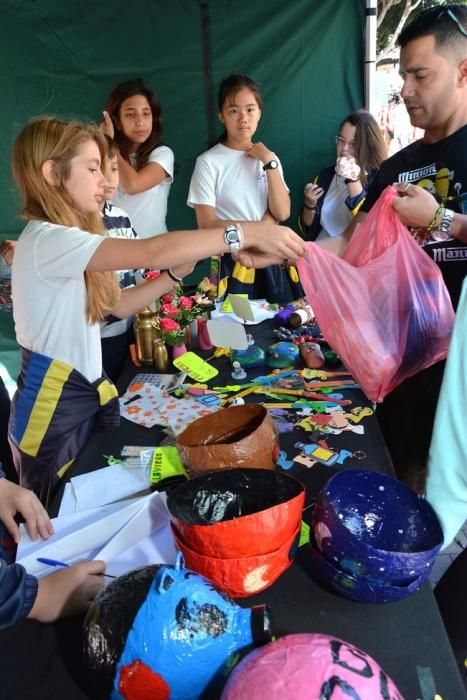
(63, 58)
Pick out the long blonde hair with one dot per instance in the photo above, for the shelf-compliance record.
(48, 138)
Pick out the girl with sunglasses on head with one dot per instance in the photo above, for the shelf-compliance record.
(336, 194)
(63, 285)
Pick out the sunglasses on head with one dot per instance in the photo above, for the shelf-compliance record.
(449, 12)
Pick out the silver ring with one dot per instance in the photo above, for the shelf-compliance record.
(409, 184)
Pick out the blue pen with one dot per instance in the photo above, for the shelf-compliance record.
(55, 562)
(51, 562)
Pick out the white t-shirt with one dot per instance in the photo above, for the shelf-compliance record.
(335, 215)
(231, 182)
(49, 295)
(148, 210)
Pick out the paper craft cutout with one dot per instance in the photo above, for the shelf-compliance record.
(304, 534)
(195, 367)
(241, 307)
(227, 334)
(226, 307)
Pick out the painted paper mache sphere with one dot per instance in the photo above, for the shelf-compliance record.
(309, 667)
(165, 632)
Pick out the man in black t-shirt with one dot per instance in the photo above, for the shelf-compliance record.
(433, 66)
(441, 169)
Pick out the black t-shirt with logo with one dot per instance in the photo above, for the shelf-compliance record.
(441, 168)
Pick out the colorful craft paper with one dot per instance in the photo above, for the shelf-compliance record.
(147, 406)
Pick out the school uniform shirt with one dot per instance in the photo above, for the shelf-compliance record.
(118, 225)
(231, 182)
(49, 295)
(148, 210)
(441, 168)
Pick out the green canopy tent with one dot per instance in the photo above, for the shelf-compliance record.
(63, 59)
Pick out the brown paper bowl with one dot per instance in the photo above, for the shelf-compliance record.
(235, 513)
(245, 576)
(238, 436)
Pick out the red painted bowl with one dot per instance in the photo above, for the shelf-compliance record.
(237, 512)
(242, 577)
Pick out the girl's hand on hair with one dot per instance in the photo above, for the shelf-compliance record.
(69, 591)
(261, 152)
(415, 205)
(16, 499)
(311, 194)
(107, 125)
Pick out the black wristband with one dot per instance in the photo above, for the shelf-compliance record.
(172, 276)
(310, 208)
(349, 179)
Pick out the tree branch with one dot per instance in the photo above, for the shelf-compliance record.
(383, 7)
(410, 5)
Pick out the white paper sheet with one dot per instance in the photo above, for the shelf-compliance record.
(107, 485)
(81, 536)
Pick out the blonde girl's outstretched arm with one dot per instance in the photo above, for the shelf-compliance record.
(178, 248)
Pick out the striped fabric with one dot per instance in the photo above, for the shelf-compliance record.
(277, 283)
(52, 415)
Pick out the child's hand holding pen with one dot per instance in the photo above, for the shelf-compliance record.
(68, 591)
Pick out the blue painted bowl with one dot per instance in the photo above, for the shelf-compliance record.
(375, 527)
(375, 590)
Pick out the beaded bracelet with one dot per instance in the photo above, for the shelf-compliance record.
(434, 220)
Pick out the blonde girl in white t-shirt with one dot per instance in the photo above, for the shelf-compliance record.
(133, 118)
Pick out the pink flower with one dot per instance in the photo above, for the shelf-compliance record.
(185, 302)
(168, 325)
(169, 310)
(167, 298)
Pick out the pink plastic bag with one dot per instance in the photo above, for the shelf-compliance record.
(383, 307)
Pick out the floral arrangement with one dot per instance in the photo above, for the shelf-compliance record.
(175, 311)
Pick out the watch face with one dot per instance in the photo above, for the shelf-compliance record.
(272, 165)
(232, 236)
